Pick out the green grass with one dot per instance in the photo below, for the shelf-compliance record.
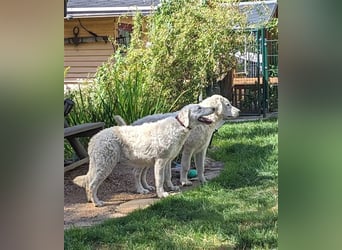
(236, 210)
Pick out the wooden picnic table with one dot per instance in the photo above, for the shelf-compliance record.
(72, 133)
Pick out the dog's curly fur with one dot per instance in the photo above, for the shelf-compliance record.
(144, 145)
(195, 145)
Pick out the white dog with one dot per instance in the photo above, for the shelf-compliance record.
(195, 145)
(144, 145)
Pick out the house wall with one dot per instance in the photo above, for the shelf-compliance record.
(83, 59)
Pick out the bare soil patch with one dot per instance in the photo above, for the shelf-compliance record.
(117, 189)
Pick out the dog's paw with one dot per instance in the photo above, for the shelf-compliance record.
(99, 204)
(151, 188)
(203, 180)
(175, 188)
(186, 183)
(163, 194)
(143, 191)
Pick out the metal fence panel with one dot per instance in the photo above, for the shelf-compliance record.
(255, 87)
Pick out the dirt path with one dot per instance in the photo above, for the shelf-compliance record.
(118, 192)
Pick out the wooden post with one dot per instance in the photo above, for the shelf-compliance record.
(226, 85)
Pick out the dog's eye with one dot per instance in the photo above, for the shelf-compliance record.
(199, 107)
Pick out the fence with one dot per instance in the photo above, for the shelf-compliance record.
(255, 82)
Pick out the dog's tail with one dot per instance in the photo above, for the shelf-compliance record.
(119, 120)
(80, 181)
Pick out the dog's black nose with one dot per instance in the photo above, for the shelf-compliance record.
(213, 109)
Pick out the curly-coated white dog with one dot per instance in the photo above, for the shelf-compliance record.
(144, 145)
(195, 145)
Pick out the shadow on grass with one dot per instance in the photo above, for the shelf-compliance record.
(181, 222)
(165, 225)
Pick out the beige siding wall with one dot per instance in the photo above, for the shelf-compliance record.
(84, 58)
(101, 26)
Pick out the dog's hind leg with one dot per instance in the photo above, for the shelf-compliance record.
(97, 175)
(167, 182)
(199, 162)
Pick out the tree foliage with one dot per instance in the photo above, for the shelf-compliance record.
(194, 42)
(187, 44)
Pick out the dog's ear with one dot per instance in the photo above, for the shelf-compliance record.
(220, 108)
(184, 117)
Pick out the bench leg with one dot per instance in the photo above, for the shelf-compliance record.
(78, 147)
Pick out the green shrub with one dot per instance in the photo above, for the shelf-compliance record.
(130, 98)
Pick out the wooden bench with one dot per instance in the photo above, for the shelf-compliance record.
(72, 133)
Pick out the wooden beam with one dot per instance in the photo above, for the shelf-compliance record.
(76, 164)
(79, 130)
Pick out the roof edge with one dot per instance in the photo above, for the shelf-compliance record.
(108, 11)
(258, 2)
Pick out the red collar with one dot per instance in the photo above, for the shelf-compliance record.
(181, 123)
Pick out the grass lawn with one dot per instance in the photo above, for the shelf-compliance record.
(236, 210)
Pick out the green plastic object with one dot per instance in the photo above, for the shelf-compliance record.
(192, 173)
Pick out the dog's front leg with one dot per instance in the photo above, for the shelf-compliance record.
(138, 175)
(199, 162)
(185, 162)
(159, 167)
(143, 180)
(168, 183)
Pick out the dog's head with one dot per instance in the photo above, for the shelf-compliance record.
(224, 109)
(194, 114)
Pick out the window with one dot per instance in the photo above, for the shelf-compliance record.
(124, 33)
(248, 62)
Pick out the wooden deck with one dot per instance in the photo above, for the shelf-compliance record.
(253, 80)
(248, 96)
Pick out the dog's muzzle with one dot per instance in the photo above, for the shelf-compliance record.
(205, 120)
